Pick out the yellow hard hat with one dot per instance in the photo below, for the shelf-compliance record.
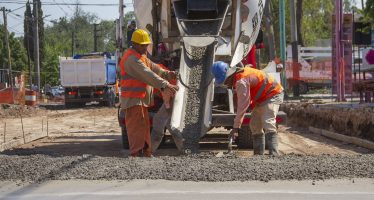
(141, 36)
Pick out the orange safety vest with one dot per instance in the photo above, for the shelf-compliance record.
(265, 89)
(130, 86)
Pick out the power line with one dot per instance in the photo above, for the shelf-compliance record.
(67, 4)
(61, 9)
(18, 8)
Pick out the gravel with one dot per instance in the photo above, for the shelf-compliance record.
(41, 166)
(198, 60)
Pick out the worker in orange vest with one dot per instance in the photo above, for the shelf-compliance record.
(260, 91)
(139, 76)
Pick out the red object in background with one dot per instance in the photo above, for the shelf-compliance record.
(251, 58)
(161, 48)
(370, 57)
(246, 121)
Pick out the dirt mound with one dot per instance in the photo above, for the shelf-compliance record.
(15, 111)
(357, 122)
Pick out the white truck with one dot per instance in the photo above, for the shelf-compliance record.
(87, 80)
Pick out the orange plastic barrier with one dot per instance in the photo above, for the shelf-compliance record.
(8, 95)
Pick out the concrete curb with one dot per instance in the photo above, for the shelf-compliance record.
(18, 142)
(348, 139)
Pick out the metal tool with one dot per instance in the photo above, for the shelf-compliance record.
(229, 150)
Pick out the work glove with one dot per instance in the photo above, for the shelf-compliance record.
(234, 133)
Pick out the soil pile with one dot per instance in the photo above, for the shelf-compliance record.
(357, 122)
(15, 111)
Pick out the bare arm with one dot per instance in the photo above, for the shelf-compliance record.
(243, 101)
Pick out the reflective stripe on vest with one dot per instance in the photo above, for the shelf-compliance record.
(130, 86)
(266, 88)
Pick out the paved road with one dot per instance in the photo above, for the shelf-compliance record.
(164, 190)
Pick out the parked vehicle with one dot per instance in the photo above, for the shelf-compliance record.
(88, 78)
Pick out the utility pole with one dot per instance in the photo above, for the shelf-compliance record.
(119, 31)
(295, 56)
(282, 35)
(95, 38)
(28, 51)
(36, 35)
(72, 43)
(96, 35)
(339, 52)
(7, 45)
(362, 4)
(120, 34)
(269, 29)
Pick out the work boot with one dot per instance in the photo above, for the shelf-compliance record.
(259, 144)
(273, 143)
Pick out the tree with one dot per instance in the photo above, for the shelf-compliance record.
(299, 20)
(40, 30)
(369, 12)
(17, 52)
(28, 38)
(348, 5)
(59, 40)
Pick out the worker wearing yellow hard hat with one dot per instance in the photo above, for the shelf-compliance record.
(141, 36)
(139, 75)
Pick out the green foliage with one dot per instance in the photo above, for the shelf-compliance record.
(40, 31)
(316, 20)
(369, 12)
(17, 52)
(75, 35)
(28, 41)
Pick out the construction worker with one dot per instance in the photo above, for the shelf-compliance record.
(256, 89)
(131, 27)
(161, 120)
(139, 76)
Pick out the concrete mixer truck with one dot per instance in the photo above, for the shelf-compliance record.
(196, 33)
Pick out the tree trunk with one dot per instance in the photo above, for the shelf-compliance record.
(299, 21)
(269, 29)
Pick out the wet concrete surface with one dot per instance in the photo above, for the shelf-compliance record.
(362, 189)
(34, 166)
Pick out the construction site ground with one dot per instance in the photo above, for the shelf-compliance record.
(85, 143)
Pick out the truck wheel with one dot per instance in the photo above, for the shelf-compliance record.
(110, 99)
(125, 139)
(303, 87)
(244, 139)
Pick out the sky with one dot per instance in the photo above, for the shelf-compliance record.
(53, 12)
